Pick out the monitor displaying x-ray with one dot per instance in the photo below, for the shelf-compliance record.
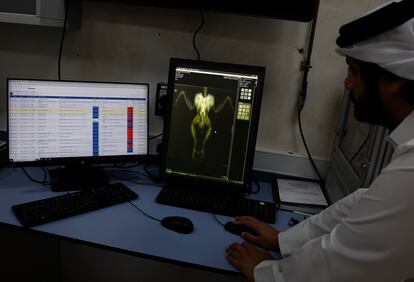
(211, 127)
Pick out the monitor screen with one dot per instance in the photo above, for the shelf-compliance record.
(211, 127)
(53, 121)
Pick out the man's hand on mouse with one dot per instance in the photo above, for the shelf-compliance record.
(265, 236)
(245, 257)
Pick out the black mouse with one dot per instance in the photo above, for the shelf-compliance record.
(237, 228)
(178, 224)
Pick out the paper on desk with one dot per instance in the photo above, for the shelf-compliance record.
(301, 192)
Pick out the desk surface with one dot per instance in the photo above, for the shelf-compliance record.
(123, 228)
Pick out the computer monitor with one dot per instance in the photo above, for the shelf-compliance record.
(76, 124)
(211, 123)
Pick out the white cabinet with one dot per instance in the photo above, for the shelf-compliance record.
(34, 12)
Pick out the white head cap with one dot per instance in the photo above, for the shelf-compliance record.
(392, 49)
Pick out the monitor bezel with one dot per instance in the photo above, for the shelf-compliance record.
(217, 66)
(85, 160)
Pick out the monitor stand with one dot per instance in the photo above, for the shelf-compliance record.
(77, 177)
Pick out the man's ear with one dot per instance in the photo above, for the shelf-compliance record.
(393, 85)
(397, 84)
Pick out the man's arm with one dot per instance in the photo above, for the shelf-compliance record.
(245, 256)
(317, 225)
(373, 243)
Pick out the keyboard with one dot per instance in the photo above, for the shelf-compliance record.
(224, 204)
(38, 212)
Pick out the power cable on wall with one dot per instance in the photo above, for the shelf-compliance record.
(308, 152)
(303, 92)
(62, 38)
(195, 34)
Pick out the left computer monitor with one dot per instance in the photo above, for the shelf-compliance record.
(76, 124)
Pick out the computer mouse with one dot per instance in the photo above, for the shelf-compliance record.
(178, 224)
(237, 228)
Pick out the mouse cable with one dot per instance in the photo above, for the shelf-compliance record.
(63, 36)
(144, 212)
(43, 182)
(195, 34)
(322, 182)
(215, 217)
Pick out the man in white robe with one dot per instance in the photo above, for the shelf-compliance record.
(368, 235)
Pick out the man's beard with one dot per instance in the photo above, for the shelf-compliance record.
(369, 108)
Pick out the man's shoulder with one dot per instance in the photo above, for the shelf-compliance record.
(402, 159)
(395, 182)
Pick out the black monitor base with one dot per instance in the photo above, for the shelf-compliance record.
(77, 178)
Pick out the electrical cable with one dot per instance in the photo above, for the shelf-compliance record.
(144, 212)
(156, 136)
(63, 37)
(215, 217)
(43, 182)
(303, 91)
(308, 152)
(137, 182)
(306, 66)
(195, 34)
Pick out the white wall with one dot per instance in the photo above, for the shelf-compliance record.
(129, 43)
(328, 73)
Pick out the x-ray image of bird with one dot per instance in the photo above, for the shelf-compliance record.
(202, 122)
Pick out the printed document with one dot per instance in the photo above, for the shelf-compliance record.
(301, 192)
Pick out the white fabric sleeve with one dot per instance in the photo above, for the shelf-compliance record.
(268, 271)
(317, 225)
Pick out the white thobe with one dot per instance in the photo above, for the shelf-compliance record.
(367, 236)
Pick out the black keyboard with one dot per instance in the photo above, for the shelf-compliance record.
(225, 204)
(50, 209)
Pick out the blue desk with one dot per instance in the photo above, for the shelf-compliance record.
(124, 229)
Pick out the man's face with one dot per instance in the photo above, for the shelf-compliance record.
(367, 104)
